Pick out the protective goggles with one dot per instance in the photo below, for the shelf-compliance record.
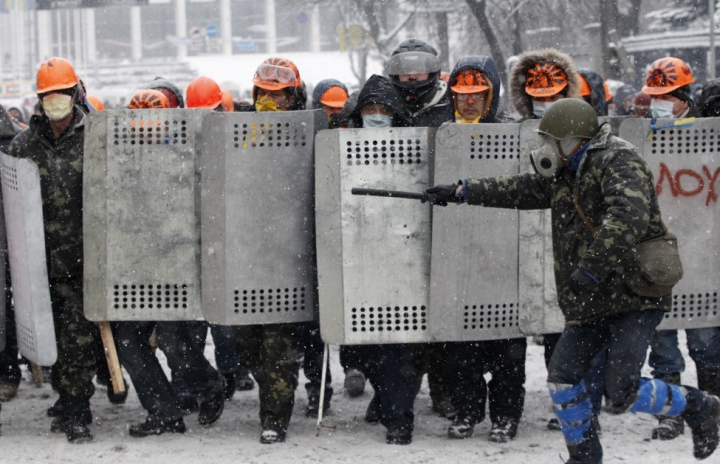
(281, 74)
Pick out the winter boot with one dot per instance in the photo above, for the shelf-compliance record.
(372, 414)
(669, 428)
(212, 409)
(705, 435)
(188, 404)
(398, 436)
(709, 380)
(157, 426)
(461, 427)
(503, 430)
(313, 407)
(444, 408)
(354, 382)
(74, 420)
(243, 380)
(230, 385)
(272, 435)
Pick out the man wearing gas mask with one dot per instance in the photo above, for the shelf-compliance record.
(541, 78)
(585, 176)
(54, 141)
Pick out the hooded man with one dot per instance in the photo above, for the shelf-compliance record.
(378, 92)
(592, 90)
(475, 87)
(540, 78)
(170, 90)
(330, 95)
(624, 97)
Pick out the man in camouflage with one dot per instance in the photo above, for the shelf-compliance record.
(581, 167)
(54, 141)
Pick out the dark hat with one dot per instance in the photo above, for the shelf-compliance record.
(162, 83)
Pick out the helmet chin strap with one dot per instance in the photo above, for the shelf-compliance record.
(565, 157)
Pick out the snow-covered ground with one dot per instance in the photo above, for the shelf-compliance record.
(234, 438)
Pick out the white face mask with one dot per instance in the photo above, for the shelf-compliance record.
(661, 108)
(376, 120)
(57, 106)
(539, 108)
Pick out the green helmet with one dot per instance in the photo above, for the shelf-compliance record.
(569, 117)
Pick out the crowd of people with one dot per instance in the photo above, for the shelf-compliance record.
(608, 327)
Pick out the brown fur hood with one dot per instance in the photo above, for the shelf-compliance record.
(522, 101)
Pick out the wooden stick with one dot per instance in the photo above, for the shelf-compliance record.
(111, 356)
(37, 374)
(320, 423)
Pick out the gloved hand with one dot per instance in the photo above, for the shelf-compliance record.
(441, 194)
(582, 281)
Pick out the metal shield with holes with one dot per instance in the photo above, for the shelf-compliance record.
(685, 162)
(474, 278)
(258, 224)
(141, 218)
(22, 203)
(373, 253)
(540, 312)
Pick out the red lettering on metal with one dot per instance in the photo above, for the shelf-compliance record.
(693, 174)
(711, 196)
(666, 174)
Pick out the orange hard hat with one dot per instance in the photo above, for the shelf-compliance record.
(228, 104)
(334, 97)
(584, 87)
(95, 102)
(470, 81)
(203, 93)
(148, 99)
(277, 73)
(667, 74)
(608, 95)
(545, 79)
(55, 74)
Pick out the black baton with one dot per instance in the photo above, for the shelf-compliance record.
(389, 193)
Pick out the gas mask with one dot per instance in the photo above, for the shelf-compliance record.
(376, 120)
(267, 104)
(547, 159)
(57, 106)
(539, 108)
(661, 108)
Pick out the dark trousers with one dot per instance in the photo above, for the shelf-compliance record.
(625, 337)
(308, 337)
(468, 362)
(391, 371)
(139, 360)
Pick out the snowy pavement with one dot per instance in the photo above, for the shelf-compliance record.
(234, 438)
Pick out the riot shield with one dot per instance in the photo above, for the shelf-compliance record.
(685, 162)
(22, 203)
(474, 264)
(141, 218)
(258, 228)
(373, 253)
(540, 313)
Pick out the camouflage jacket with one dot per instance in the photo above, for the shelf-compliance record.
(614, 187)
(60, 163)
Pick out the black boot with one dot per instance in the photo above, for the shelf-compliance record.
(157, 426)
(669, 428)
(398, 436)
(705, 435)
(74, 420)
(211, 409)
(709, 380)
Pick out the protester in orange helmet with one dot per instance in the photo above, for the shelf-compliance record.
(540, 78)
(228, 105)
(330, 95)
(170, 90)
(668, 84)
(95, 103)
(204, 93)
(592, 90)
(55, 142)
(148, 99)
(278, 86)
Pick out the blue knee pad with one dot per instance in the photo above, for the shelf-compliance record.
(573, 409)
(657, 397)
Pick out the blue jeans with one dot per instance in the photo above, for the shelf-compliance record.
(703, 347)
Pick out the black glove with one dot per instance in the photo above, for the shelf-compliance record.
(441, 194)
(582, 281)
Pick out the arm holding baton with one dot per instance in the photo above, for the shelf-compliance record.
(438, 195)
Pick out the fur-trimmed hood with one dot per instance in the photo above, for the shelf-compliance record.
(521, 101)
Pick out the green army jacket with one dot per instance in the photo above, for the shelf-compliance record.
(60, 163)
(615, 189)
